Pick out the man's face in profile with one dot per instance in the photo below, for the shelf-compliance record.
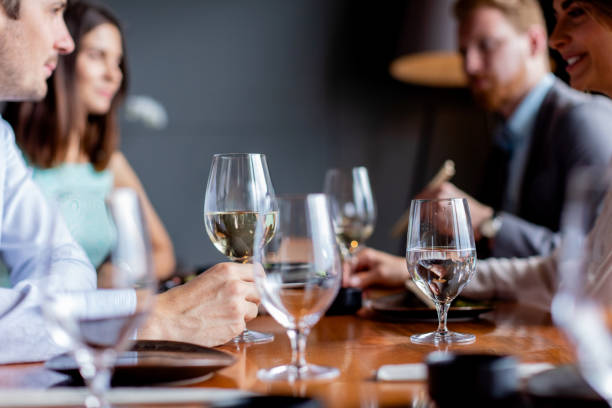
(494, 57)
(29, 48)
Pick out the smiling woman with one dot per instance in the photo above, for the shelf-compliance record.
(583, 37)
(71, 138)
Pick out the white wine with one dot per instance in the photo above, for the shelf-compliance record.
(351, 233)
(441, 273)
(233, 232)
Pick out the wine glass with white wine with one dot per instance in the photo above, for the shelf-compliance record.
(352, 207)
(239, 197)
(441, 258)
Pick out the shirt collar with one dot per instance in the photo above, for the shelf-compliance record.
(522, 120)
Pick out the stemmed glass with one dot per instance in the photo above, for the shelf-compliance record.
(352, 206)
(99, 324)
(298, 275)
(582, 306)
(441, 258)
(239, 196)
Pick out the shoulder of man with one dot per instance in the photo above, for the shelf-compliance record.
(563, 100)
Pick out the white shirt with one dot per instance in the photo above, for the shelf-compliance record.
(26, 222)
(534, 281)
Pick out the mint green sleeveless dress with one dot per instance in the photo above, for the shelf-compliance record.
(79, 192)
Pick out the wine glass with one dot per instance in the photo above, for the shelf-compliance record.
(582, 306)
(239, 196)
(441, 258)
(98, 324)
(352, 207)
(298, 275)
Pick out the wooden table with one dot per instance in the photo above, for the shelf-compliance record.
(358, 345)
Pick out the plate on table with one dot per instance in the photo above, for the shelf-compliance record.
(155, 362)
(407, 306)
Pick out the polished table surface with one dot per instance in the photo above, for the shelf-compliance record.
(358, 345)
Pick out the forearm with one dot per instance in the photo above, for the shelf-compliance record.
(165, 264)
(532, 281)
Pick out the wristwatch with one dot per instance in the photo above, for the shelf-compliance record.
(490, 227)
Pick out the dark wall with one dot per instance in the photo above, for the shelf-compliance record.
(305, 82)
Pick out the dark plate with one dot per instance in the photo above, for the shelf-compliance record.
(155, 362)
(405, 305)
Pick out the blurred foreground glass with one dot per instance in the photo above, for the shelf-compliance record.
(352, 207)
(98, 324)
(441, 258)
(583, 304)
(298, 276)
(239, 196)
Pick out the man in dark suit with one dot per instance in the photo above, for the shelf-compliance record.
(546, 130)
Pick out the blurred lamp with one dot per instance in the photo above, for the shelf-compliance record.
(428, 47)
(147, 110)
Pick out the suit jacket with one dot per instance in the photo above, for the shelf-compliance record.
(572, 129)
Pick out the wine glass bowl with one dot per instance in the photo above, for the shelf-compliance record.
(97, 324)
(352, 207)
(441, 258)
(298, 275)
(582, 306)
(239, 198)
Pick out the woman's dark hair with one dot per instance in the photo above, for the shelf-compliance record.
(42, 129)
(601, 10)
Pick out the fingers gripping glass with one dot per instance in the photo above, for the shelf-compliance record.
(239, 196)
(441, 258)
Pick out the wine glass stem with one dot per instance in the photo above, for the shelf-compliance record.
(442, 309)
(297, 338)
(97, 376)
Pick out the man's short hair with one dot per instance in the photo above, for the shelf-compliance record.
(522, 14)
(11, 7)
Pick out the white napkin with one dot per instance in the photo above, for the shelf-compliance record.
(62, 396)
(418, 371)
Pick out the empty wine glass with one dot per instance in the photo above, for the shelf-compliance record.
(298, 275)
(441, 258)
(582, 306)
(239, 196)
(98, 324)
(352, 207)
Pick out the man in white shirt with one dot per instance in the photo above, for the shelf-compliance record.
(210, 310)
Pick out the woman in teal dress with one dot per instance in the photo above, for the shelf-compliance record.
(70, 139)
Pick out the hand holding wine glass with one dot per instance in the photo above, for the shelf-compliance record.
(353, 209)
(298, 275)
(239, 199)
(99, 324)
(441, 258)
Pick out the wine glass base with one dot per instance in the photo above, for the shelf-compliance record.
(447, 338)
(292, 373)
(250, 336)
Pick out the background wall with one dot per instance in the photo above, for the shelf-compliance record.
(304, 81)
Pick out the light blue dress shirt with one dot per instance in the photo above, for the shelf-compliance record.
(521, 126)
(28, 228)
